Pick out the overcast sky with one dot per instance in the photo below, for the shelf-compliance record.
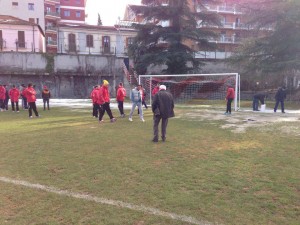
(109, 10)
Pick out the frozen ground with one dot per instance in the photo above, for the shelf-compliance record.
(238, 122)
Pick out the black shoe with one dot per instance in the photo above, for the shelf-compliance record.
(283, 112)
(154, 140)
(163, 139)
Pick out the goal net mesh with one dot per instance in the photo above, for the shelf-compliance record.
(202, 89)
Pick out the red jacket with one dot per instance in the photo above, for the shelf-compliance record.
(2, 92)
(121, 94)
(30, 94)
(155, 90)
(14, 94)
(99, 99)
(105, 93)
(93, 95)
(230, 93)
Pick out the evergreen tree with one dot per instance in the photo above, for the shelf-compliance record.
(172, 45)
(99, 20)
(278, 49)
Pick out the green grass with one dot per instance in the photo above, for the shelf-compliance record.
(202, 171)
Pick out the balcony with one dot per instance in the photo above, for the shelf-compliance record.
(51, 42)
(51, 1)
(50, 14)
(212, 55)
(107, 50)
(51, 29)
(226, 40)
(220, 9)
(227, 25)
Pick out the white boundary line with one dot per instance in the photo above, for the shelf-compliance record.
(141, 208)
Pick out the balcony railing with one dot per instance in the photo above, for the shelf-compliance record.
(107, 50)
(212, 55)
(226, 40)
(50, 13)
(228, 25)
(220, 9)
(51, 28)
(51, 42)
(21, 44)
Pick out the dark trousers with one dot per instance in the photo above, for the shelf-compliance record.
(32, 106)
(46, 101)
(106, 108)
(255, 104)
(2, 104)
(144, 104)
(6, 103)
(229, 101)
(164, 124)
(13, 105)
(24, 103)
(281, 104)
(121, 107)
(95, 109)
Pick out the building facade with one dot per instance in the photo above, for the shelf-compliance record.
(93, 40)
(29, 10)
(18, 35)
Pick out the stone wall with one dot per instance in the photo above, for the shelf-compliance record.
(67, 76)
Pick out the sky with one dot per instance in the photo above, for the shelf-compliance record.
(109, 10)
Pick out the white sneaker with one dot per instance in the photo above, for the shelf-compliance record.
(30, 117)
(130, 119)
(143, 120)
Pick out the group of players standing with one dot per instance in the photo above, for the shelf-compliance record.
(28, 95)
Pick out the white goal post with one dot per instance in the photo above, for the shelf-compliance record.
(205, 88)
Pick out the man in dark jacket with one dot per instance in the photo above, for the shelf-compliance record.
(162, 108)
(259, 97)
(46, 95)
(279, 97)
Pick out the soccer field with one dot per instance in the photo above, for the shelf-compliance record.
(65, 168)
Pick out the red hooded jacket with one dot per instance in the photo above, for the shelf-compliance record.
(93, 95)
(2, 92)
(155, 90)
(230, 93)
(30, 94)
(99, 99)
(121, 94)
(14, 94)
(105, 93)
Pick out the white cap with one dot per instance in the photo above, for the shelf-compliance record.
(162, 87)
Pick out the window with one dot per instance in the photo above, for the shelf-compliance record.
(21, 39)
(31, 6)
(1, 41)
(106, 44)
(78, 14)
(67, 13)
(129, 41)
(89, 41)
(77, 2)
(15, 3)
(72, 42)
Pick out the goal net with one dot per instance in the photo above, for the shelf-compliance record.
(202, 89)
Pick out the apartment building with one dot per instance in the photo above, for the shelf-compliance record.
(29, 10)
(230, 33)
(17, 35)
(61, 11)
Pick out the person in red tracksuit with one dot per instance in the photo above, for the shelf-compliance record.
(93, 97)
(229, 98)
(99, 101)
(2, 97)
(31, 98)
(14, 94)
(106, 97)
(121, 94)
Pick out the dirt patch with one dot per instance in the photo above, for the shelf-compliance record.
(240, 121)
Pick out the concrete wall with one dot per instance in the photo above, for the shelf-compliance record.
(67, 76)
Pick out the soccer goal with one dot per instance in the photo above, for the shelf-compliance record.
(203, 89)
